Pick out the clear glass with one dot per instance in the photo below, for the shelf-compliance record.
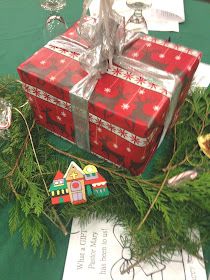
(55, 23)
(137, 21)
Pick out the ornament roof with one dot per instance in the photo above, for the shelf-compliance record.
(59, 175)
(74, 169)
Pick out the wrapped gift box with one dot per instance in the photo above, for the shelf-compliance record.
(126, 111)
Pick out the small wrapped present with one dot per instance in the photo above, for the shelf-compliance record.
(121, 112)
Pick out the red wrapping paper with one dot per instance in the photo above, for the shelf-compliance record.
(126, 112)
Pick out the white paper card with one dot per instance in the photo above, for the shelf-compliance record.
(164, 15)
(101, 250)
(202, 76)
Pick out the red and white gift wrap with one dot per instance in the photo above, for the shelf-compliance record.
(126, 112)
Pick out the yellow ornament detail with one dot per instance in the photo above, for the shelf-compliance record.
(204, 143)
(89, 169)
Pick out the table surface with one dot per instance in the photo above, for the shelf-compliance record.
(21, 24)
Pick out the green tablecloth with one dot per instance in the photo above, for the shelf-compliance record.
(20, 35)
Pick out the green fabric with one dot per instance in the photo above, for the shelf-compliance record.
(21, 25)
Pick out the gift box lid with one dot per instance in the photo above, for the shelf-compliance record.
(121, 98)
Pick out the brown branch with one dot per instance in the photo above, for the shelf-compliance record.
(104, 168)
(9, 181)
(154, 201)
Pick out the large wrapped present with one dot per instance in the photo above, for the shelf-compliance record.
(128, 113)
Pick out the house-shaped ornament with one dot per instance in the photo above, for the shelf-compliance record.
(94, 182)
(58, 189)
(75, 179)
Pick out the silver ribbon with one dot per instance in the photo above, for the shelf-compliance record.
(107, 39)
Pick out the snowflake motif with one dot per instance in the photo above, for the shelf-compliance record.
(36, 91)
(52, 78)
(140, 80)
(98, 121)
(62, 61)
(141, 91)
(63, 114)
(46, 96)
(148, 44)
(117, 71)
(91, 118)
(71, 33)
(143, 157)
(74, 54)
(107, 90)
(99, 129)
(128, 149)
(41, 117)
(43, 62)
(177, 57)
(115, 145)
(153, 86)
(58, 118)
(134, 139)
(111, 127)
(128, 76)
(156, 108)
(123, 133)
(135, 54)
(125, 106)
(161, 55)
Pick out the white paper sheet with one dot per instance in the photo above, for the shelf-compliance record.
(202, 76)
(164, 15)
(100, 250)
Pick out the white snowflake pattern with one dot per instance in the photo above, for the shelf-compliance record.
(177, 57)
(148, 44)
(62, 61)
(107, 90)
(99, 129)
(125, 106)
(43, 62)
(71, 33)
(135, 54)
(161, 55)
(96, 142)
(52, 78)
(63, 114)
(41, 117)
(58, 118)
(141, 91)
(156, 108)
(115, 145)
(128, 149)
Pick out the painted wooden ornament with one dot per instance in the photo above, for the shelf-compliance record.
(95, 183)
(75, 178)
(76, 184)
(204, 143)
(58, 189)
